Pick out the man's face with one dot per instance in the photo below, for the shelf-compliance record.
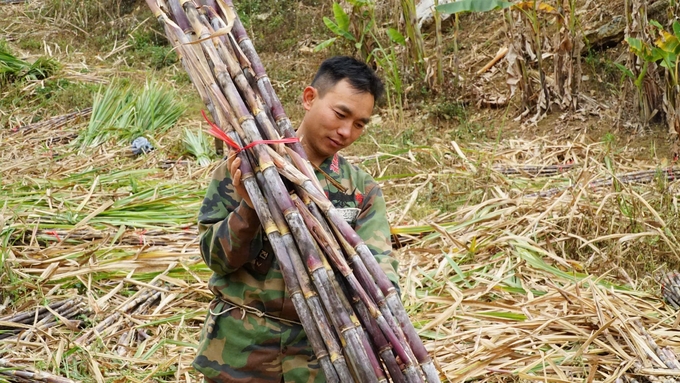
(334, 121)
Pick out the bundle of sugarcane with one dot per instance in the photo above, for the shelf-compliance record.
(310, 238)
(21, 325)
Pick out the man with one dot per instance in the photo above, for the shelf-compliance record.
(252, 332)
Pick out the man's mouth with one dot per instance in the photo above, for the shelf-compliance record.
(335, 143)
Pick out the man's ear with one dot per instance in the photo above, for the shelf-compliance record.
(309, 95)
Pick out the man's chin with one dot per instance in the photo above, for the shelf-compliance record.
(329, 151)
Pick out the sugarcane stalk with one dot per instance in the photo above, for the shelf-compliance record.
(251, 133)
(304, 313)
(670, 289)
(130, 304)
(68, 309)
(307, 206)
(198, 69)
(194, 64)
(384, 348)
(30, 375)
(125, 342)
(147, 303)
(372, 357)
(366, 256)
(323, 238)
(671, 173)
(265, 210)
(341, 319)
(182, 23)
(177, 15)
(21, 317)
(346, 231)
(211, 7)
(128, 337)
(235, 71)
(346, 305)
(67, 312)
(313, 321)
(668, 358)
(355, 242)
(364, 277)
(263, 83)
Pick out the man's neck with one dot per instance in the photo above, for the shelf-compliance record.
(315, 160)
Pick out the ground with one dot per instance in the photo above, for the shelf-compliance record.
(521, 258)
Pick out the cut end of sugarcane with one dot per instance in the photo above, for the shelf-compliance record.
(155, 9)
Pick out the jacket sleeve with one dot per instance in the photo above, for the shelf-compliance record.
(229, 229)
(374, 229)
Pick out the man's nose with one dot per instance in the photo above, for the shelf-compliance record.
(345, 129)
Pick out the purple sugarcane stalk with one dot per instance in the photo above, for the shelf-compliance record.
(264, 85)
(323, 239)
(303, 280)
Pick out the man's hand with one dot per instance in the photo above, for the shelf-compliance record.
(234, 163)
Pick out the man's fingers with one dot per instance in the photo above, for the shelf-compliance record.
(230, 158)
(235, 166)
(237, 177)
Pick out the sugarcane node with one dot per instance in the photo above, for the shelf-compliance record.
(270, 228)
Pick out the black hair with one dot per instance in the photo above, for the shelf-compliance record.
(357, 73)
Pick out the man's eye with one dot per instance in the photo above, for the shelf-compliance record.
(339, 115)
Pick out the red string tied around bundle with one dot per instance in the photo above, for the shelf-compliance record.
(218, 133)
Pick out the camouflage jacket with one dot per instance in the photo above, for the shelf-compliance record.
(246, 274)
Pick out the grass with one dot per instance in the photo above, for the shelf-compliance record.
(121, 113)
(150, 48)
(198, 146)
(14, 69)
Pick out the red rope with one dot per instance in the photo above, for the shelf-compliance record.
(215, 131)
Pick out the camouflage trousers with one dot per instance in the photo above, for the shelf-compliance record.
(238, 346)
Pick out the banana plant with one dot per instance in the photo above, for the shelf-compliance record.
(362, 35)
(665, 49)
(341, 26)
(665, 52)
(473, 6)
(668, 47)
